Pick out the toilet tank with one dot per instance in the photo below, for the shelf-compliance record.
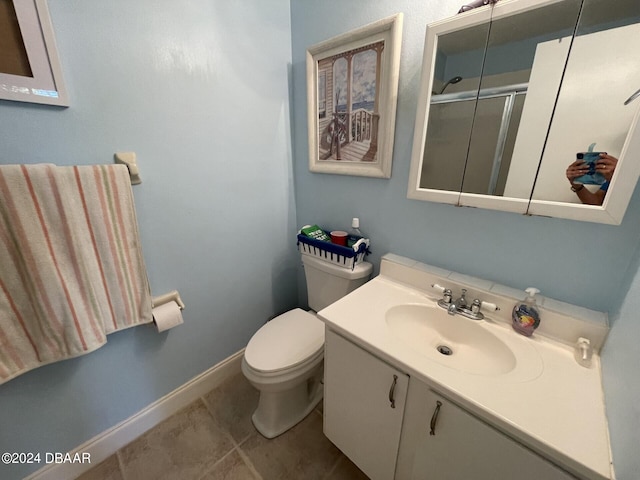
(327, 283)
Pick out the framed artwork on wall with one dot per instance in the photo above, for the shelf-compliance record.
(30, 68)
(352, 91)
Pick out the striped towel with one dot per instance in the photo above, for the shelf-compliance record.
(71, 266)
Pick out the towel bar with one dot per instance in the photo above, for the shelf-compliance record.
(166, 298)
(129, 159)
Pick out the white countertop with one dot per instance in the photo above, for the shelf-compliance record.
(559, 412)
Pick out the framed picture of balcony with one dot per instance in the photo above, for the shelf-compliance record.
(30, 69)
(352, 90)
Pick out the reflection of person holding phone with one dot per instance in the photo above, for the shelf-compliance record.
(605, 165)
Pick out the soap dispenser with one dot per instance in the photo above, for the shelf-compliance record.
(526, 318)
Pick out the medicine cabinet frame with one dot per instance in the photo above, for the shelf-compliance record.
(622, 184)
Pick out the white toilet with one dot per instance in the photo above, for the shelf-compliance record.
(284, 358)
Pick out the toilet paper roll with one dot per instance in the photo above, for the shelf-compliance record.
(167, 316)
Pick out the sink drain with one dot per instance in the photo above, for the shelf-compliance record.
(443, 349)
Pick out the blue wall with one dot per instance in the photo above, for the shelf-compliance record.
(581, 263)
(200, 91)
(511, 249)
(620, 360)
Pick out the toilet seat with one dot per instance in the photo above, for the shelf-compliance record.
(287, 341)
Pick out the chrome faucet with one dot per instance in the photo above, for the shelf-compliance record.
(459, 304)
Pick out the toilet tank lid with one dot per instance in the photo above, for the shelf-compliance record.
(286, 341)
(361, 270)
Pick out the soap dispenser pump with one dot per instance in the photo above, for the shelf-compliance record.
(526, 318)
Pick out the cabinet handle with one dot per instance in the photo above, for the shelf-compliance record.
(392, 391)
(434, 418)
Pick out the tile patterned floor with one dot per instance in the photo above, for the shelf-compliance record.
(214, 439)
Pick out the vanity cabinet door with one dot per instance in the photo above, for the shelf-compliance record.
(364, 401)
(455, 445)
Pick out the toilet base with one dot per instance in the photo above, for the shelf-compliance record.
(279, 411)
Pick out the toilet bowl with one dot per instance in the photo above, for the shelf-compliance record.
(284, 361)
(284, 358)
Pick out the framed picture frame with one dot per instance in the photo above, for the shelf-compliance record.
(30, 69)
(352, 92)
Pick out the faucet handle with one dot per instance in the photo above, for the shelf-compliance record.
(475, 306)
(492, 307)
(447, 295)
(446, 292)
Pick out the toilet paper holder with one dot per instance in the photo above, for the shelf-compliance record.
(172, 296)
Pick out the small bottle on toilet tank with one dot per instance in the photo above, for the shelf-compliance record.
(354, 232)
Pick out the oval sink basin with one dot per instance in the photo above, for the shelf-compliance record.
(451, 340)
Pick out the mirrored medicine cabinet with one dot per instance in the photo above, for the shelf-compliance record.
(511, 93)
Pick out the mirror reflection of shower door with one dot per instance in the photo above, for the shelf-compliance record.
(494, 133)
(450, 123)
(446, 145)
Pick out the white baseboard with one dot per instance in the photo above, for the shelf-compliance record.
(105, 444)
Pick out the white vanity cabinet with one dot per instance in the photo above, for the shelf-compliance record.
(534, 414)
(364, 400)
(452, 444)
(394, 427)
